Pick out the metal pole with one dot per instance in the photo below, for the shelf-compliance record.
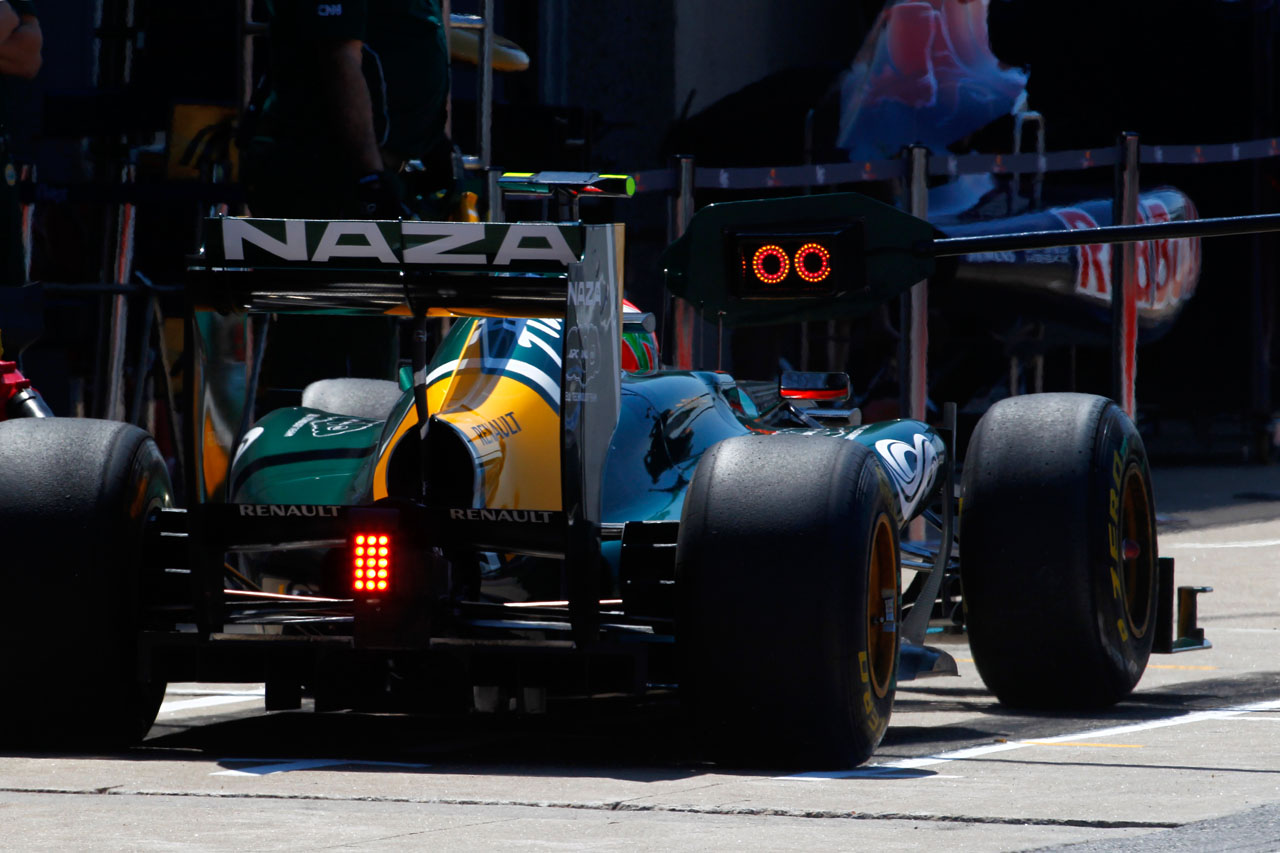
(1037, 184)
(493, 191)
(1261, 297)
(915, 321)
(127, 39)
(177, 420)
(446, 14)
(684, 314)
(113, 402)
(485, 114)
(918, 342)
(1124, 281)
(142, 366)
(684, 201)
(720, 341)
(244, 54)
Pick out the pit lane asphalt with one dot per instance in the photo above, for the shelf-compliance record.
(1189, 762)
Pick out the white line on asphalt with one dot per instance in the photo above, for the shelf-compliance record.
(209, 702)
(282, 765)
(1243, 543)
(880, 771)
(1259, 719)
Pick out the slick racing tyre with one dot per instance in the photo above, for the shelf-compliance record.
(1058, 551)
(787, 575)
(73, 497)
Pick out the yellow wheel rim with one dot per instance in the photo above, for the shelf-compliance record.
(882, 607)
(1138, 571)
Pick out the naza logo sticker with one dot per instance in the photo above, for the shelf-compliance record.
(912, 467)
(585, 292)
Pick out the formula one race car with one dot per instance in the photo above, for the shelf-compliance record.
(517, 516)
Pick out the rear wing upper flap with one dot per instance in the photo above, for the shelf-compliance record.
(384, 267)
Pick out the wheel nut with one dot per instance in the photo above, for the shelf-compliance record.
(1131, 549)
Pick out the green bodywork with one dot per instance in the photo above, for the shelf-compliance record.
(305, 456)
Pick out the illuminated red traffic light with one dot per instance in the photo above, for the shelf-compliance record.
(813, 262)
(770, 264)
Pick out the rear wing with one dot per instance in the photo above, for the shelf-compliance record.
(422, 269)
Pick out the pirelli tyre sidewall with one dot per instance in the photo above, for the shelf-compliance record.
(1055, 488)
(74, 497)
(1125, 589)
(787, 577)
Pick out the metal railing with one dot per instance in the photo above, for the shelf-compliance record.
(953, 165)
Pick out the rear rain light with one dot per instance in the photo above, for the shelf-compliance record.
(371, 563)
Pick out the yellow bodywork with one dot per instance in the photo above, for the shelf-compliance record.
(513, 432)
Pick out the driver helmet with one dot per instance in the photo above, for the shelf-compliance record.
(639, 347)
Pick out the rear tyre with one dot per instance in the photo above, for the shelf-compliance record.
(787, 572)
(73, 498)
(1058, 551)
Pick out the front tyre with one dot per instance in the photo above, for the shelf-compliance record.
(1058, 551)
(787, 571)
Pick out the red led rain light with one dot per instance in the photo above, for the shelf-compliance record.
(371, 562)
(770, 256)
(813, 262)
(808, 394)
